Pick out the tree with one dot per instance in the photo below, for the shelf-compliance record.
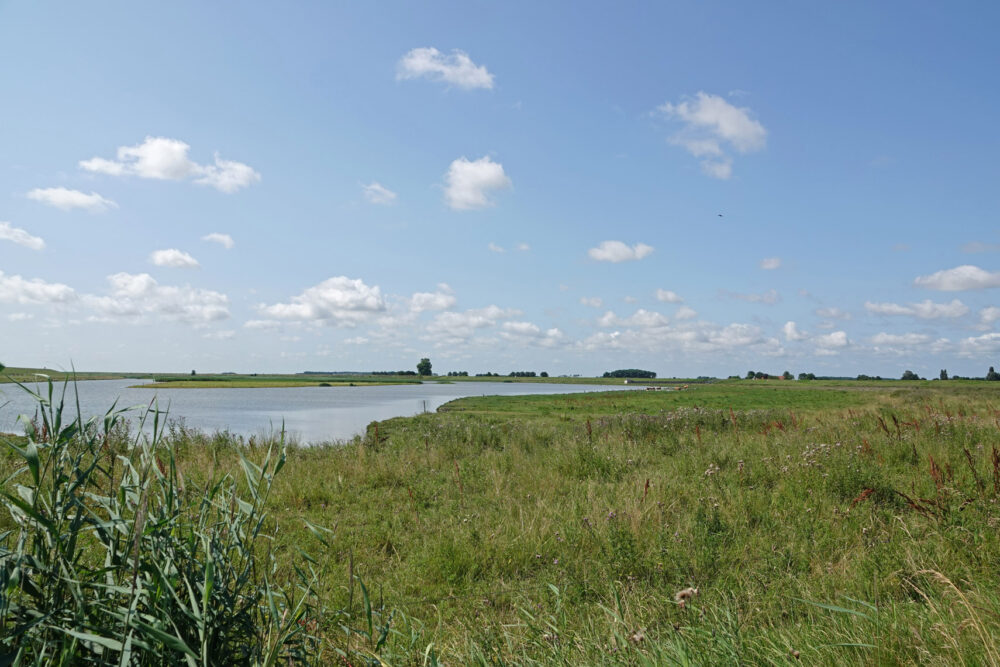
(944, 374)
(193, 373)
(786, 376)
(992, 376)
(910, 375)
(424, 367)
(750, 375)
(543, 374)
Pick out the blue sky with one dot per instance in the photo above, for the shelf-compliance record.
(500, 186)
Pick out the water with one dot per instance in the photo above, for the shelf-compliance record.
(310, 414)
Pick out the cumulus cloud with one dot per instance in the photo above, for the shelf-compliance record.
(668, 296)
(442, 299)
(908, 339)
(495, 248)
(456, 69)
(685, 313)
(966, 277)
(225, 240)
(452, 327)
(135, 295)
(712, 127)
(167, 159)
(468, 183)
(66, 199)
(770, 263)
(770, 297)
(15, 289)
(532, 334)
(640, 319)
(616, 251)
(989, 315)
(376, 193)
(792, 332)
(339, 301)
(19, 236)
(173, 258)
(925, 310)
(979, 346)
(833, 340)
(592, 301)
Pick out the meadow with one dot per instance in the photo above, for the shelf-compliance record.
(822, 523)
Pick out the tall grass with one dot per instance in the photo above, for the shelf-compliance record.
(114, 558)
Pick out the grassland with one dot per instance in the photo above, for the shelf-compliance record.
(821, 522)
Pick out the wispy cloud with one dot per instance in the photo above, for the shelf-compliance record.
(925, 310)
(66, 199)
(770, 263)
(19, 236)
(456, 69)
(225, 240)
(376, 193)
(711, 128)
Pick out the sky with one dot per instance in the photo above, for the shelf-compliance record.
(693, 188)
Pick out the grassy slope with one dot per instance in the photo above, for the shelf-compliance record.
(819, 492)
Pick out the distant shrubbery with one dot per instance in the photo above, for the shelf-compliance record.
(630, 373)
(394, 372)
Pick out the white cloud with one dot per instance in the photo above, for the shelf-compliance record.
(531, 334)
(685, 313)
(376, 193)
(457, 327)
(668, 296)
(711, 126)
(442, 299)
(167, 159)
(770, 263)
(640, 319)
(469, 182)
(770, 297)
(340, 301)
(833, 313)
(616, 251)
(989, 315)
(593, 301)
(907, 339)
(966, 277)
(220, 335)
(792, 332)
(523, 247)
(225, 240)
(926, 310)
(495, 248)
(20, 317)
(173, 258)
(979, 346)
(836, 339)
(65, 199)
(135, 295)
(15, 289)
(19, 236)
(456, 69)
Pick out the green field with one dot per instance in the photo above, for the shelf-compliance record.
(821, 522)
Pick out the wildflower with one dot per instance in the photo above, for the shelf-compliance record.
(681, 597)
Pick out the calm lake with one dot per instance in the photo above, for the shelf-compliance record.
(310, 414)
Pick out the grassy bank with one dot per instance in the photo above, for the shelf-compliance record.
(827, 523)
